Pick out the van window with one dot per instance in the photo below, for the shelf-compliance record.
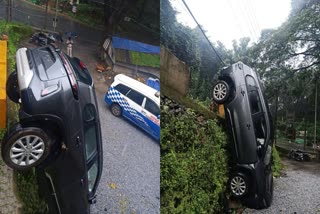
(135, 97)
(152, 107)
(122, 89)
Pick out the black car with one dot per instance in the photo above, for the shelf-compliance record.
(58, 130)
(248, 117)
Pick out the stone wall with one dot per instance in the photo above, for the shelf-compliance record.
(174, 73)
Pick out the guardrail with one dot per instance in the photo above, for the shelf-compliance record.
(3, 79)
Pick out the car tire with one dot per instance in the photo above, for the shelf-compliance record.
(12, 87)
(25, 148)
(238, 185)
(116, 109)
(265, 200)
(220, 91)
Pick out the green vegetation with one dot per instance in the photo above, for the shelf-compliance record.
(277, 165)
(2, 132)
(143, 59)
(27, 188)
(89, 14)
(193, 164)
(16, 33)
(187, 101)
(28, 193)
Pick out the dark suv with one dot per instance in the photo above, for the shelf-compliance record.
(249, 120)
(58, 130)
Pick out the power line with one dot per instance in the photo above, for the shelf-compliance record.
(214, 50)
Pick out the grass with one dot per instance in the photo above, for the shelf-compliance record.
(143, 59)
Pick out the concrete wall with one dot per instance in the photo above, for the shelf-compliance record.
(3, 79)
(174, 73)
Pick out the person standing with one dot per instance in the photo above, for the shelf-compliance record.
(69, 46)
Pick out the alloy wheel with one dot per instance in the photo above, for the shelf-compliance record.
(27, 150)
(238, 186)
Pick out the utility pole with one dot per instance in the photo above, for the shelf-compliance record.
(315, 116)
(276, 118)
(9, 10)
(55, 17)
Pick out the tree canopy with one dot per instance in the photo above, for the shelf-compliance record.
(287, 58)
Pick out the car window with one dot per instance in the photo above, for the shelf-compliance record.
(89, 113)
(122, 89)
(250, 83)
(92, 176)
(135, 97)
(152, 107)
(90, 138)
(260, 127)
(82, 74)
(255, 103)
(90, 130)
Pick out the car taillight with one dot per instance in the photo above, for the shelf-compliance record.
(82, 65)
(71, 76)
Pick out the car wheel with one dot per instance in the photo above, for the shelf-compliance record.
(220, 91)
(12, 87)
(25, 148)
(116, 110)
(238, 185)
(266, 199)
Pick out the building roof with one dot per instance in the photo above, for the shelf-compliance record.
(131, 45)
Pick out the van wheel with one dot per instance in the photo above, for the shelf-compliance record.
(238, 185)
(12, 87)
(116, 109)
(25, 148)
(221, 91)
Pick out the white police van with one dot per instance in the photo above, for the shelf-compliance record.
(137, 102)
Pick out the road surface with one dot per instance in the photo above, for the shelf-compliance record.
(296, 191)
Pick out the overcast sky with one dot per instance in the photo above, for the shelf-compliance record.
(226, 20)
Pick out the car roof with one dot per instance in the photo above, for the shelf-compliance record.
(138, 86)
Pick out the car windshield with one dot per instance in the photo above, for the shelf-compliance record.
(82, 74)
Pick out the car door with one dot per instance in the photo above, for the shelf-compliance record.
(134, 109)
(151, 111)
(67, 176)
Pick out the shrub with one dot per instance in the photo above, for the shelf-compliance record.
(193, 163)
(277, 165)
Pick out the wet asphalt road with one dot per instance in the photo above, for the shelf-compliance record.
(131, 168)
(297, 191)
(27, 13)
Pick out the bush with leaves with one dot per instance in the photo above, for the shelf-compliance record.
(193, 163)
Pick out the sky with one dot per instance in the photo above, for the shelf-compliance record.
(226, 20)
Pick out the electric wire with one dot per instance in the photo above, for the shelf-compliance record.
(214, 50)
